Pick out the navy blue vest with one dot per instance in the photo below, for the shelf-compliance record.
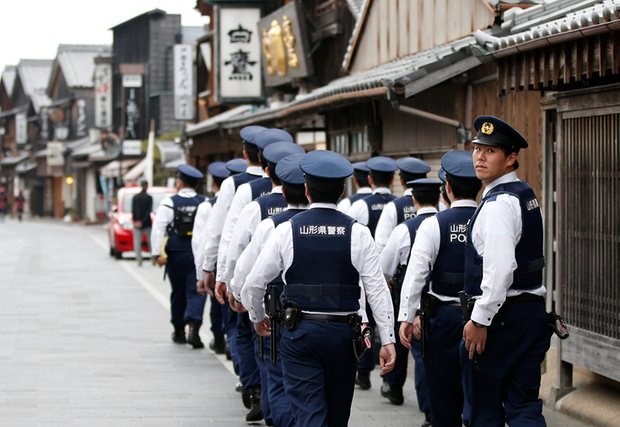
(358, 196)
(322, 276)
(271, 204)
(412, 225)
(212, 200)
(448, 271)
(375, 203)
(404, 208)
(242, 178)
(180, 230)
(529, 251)
(260, 187)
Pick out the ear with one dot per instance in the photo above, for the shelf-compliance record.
(307, 192)
(511, 159)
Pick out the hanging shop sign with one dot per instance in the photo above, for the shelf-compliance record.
(183, 82)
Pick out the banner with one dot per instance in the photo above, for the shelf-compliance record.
(103, 96)
(183, 82)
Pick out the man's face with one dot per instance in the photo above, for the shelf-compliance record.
(491, 162)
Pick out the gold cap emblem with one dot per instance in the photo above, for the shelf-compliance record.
(487, 128)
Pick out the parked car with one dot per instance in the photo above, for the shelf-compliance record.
(120, 226)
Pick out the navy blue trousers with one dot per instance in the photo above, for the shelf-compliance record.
(396, 377)
(249, 375)
(502, 384)
(281, 410)
(367, 362)
(181, 273)
(216, 316)
(319, 372)
(420, 380)
(262, 362)
(443, 366)
(230, 326)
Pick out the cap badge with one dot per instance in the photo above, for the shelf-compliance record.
(487, 128)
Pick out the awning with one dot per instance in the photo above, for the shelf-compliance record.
(112, 169)
(135, 172)
(212, 122)
(25, 167)
(13, 160)
(171, 154)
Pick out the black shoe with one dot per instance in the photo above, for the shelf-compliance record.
(363, 380)
(256, 411)
(245, 397)
(178, 336)
(426, 423)
(193, 337)
(393, 394)
(218, 344)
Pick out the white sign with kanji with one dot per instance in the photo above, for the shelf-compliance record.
(183, 86)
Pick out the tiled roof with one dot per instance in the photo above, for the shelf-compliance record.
(34, 75)
(8, 78)
(77, 63)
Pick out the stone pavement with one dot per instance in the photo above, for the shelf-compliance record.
(86, 341)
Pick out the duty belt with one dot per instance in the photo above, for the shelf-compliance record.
(323, 317)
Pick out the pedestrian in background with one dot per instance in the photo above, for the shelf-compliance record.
(20, 203)
(141, 208)
(3, 202)
(507, 336)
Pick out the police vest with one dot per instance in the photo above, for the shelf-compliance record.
(260, 187)
(404, 209)
(529, 250)
(375, 203)
(412, 226)
(212, 200)
(180, 229)
(321, 276)
(277, 220)
(448, 271)
(358, 196)
(242, 178)
(271, 204)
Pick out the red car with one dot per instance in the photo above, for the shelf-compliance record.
(120, 226)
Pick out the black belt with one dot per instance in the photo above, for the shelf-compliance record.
(524, 297)
(341, 318)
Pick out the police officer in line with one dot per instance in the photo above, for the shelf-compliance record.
(507, 336)
(173, 224)
(438, 253)
(360, 183)
(400, 209)
(325, 256)
(395, 257)
(367, 211)
(291, 176)
(218, 172)
(225, 197)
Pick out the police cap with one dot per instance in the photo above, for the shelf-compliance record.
(424, 186)
(496, 132)
(381, 164)
(361, 167)
(458, 163)
(249, 132)
(326, 164)
(288, 170)
(441, 174)
(269, 136)
(236, 166)
(413, 166)
(278, 150)
(218, 169)
(187, 172)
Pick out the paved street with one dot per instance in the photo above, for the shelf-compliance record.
(86, 341)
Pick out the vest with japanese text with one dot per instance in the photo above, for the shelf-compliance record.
(404, 209)
(180, 230)
(375, 203)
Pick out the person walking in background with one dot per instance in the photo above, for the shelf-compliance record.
(3, 202)
(141, 208)
(507, 336)
(20, 203)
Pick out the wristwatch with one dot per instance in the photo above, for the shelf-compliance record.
(478, 325)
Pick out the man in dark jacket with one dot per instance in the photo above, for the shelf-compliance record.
(141, 208)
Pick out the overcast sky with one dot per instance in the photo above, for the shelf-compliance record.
(33, 29)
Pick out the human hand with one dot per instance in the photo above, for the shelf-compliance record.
(201, 287)
(387, 358)
(405, 333)
(209, 280)
(417, 327)
(160, 260)
(263, 328)
(475, 338)
(235, 305)
(220, 292)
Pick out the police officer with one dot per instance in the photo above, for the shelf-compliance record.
(219, 172)
(400, 209)
(291, 176)
(362, 188)
(395, 257)
(507, 336)
(438, 253)
(325, 256)
(367, 211)
(174, 219)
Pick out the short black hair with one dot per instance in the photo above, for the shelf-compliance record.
(361, 177)
(508, 150)
(272, 173)
(382, 179)
(252, 151)
(427, 198)
(324, 190)
(407, 177)
(218, 181)
(295, 194)
(464, 188)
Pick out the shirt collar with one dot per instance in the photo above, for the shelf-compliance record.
(465, 203)
(276, 190)
(509, 177)
(381, 190)
(426, 210)
(407, 192)
(254, 170)
(323, 205)
(364, 190)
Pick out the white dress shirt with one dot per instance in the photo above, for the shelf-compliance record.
(359, 209)
(248, 220)
(423, 256)
(345, 204)
(199, 234)
(387, 222)
(243, 196)
(495, 235)
(277, 257)
(249, 255)
(217, 217)
(164, 216)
